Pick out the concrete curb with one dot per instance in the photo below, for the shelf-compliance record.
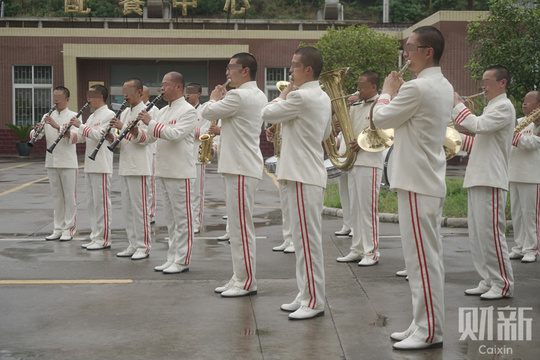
(393, 218)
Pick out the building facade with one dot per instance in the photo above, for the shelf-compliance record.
(40, 54)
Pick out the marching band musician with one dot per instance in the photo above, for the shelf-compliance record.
(97, 172)
(419, 111)
(364, 180)
(153, 148)
(61, 166)
(287, 246)
(173, 129)
(486, 179)
(241, 163)
(303, 174)
(135, 170)
(193, 94)
(524, 176)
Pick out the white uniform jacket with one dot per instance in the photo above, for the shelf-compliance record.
(91, 131)
(153, 112)
(174, 130)
(488, 162)
(135, 156)
(524, 164)
(241, 126)
(202, 128)
(419, 115)
(359, 114)
(65, 152)
(306, 122)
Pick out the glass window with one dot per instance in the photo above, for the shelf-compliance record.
(32, 93)
(272, 76)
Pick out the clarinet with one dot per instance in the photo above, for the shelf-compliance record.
(102, 140)
(133, 124)
(38, 131)
(51, 148)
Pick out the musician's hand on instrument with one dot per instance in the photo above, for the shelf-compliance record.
(49, 120)
(144, 117)
(286, 91)
(75, 122)
(109, 137)
(38, 126)
(214, 129)
(270, 133)
(117, 124)
(67, 134)
(457, 99)
(218, 93)
(392, 83)
(353, 145)
(134, 131)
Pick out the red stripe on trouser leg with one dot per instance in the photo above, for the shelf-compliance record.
(189, 221)
(105, 210)
(306, 245)
(374, 222)
(72, 229)
(145, 213)
(243, 232)
(415, 220)
(497, 240)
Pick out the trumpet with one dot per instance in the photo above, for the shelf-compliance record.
(66, 129)
(206, 147)
(133, 124)
(469, 100)
(373, 139)
(38, 131)
(102, 140)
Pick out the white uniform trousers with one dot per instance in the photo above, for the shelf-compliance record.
(364, 185)
(153, 194)
(487, 226)
(285, 213)
(420, 227)
(198, 197)
(525, 205)
(344, 196)
(177, 206)
(98, 200)
(136, 209)
(64, 193)
(240, 198)
(305, 206)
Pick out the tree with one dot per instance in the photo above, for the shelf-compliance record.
(509, 37)
(361, 49)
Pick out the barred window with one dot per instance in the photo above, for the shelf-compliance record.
(32, 93)
(272, 76)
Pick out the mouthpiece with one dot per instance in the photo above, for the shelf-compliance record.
(407, 63)
(226, 83)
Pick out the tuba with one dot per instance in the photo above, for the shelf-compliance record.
(333, 85)
(452, 142)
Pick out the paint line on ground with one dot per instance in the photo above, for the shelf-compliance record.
(17, 166)
(271, 176)
(22, 186)
(56, 282)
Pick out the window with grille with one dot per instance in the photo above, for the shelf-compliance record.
(272, 76)
(32, 93)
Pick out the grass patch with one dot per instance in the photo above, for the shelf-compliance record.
(455, 204)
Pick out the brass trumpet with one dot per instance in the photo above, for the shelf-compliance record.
(372, 138)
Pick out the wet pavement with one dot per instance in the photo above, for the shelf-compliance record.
(122, 309)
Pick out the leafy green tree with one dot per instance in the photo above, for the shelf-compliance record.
(359, 48)
(509, 37)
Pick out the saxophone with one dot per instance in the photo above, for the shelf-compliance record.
(526, 122)
(206, 150)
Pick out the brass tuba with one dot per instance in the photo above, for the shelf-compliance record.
(333, 85)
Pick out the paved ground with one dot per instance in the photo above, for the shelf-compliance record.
(147, 315)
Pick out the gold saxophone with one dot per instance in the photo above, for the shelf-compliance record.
(206, 148)
(332, 81)
(526, 122)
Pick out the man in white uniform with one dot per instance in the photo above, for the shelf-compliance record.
(419, 111)
(486, 179)
(524, 174)
(135, 171)
(173, 130)
(97, 172)
(364, 180)
(153, 147)
(61, 166)
(302, 173)
(193, 94)
(241, 163)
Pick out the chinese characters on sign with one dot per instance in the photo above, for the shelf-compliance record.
(230, 5)
(512, 325)
(184, 4)
(76, 6)
(132, 6)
